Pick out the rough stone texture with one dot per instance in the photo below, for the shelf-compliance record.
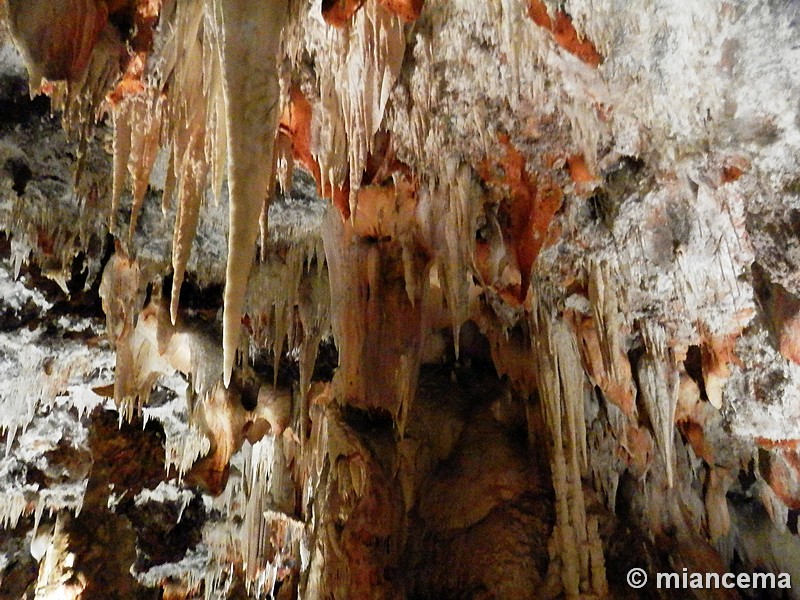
(576, 221)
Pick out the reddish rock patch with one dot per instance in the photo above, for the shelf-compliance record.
(564, 33)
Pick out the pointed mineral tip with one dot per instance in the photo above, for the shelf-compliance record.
(229, 343)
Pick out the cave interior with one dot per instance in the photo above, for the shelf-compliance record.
(399, 299)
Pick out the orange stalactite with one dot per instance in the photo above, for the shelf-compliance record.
(144, 14)
(338, 13)
(564, 33)
(381, 164)
(616, 390)
(717, 356)
(530, 207)
(580, 173)
(408, 10)
(62, 52)
(695, 435)
(296, 125)
(692, 416)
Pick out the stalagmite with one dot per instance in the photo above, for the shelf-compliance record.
(250, 84)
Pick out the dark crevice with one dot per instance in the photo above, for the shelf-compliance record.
(368, 420)
(16, 105)
(694, 368)
(21, 174)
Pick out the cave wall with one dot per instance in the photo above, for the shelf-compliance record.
(397, 299)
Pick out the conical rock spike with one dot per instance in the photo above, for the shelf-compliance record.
(250, 87)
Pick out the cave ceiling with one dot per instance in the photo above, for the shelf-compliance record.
(397, 298)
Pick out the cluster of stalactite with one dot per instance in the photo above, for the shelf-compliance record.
(346, 483)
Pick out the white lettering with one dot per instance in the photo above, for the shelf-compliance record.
(764, 581)
(784, 581)
(667, 581)
(711, 581)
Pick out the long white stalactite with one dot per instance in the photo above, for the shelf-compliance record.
(251, 93)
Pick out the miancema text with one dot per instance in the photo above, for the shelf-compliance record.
(709, 581)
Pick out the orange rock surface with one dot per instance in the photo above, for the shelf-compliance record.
(564, 33)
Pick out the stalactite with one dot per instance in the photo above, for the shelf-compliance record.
(250, 84)
(288, 304)
(528, 207)
(459, 154)
(12, 507)
(453, 223)
(273, 539)
(603, 350)
(717, 354)
(77, 62)
(658, 385)
(120, 290)
(143, 155)
(122, 152)
(380, 350)
(561, 384)
(64, 55)
(191, 189)
(357, 75)
(156, 349)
